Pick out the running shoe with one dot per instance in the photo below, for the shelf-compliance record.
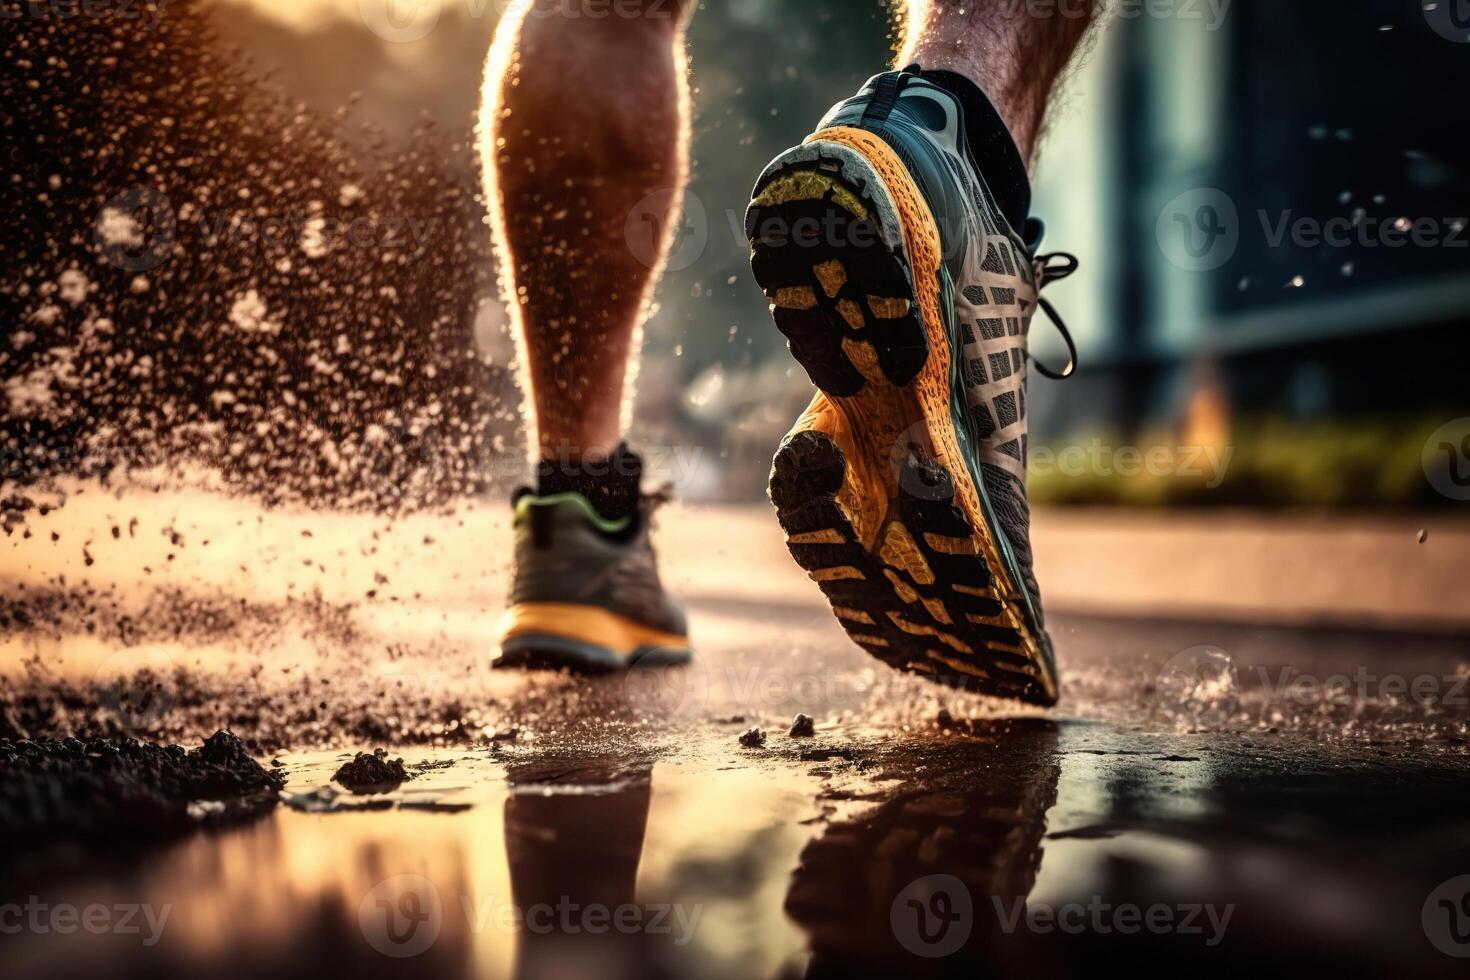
(586, 594)
(907, 296)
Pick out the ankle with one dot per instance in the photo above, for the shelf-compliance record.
(611, 482)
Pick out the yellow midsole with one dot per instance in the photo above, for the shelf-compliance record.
(584, 624)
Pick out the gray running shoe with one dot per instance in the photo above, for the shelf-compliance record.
(586, 594)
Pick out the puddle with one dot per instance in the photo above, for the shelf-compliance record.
(488, 868)
(1037, 842)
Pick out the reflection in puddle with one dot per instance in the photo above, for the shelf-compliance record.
(1001, 848)
(544, 874)
(905, 879)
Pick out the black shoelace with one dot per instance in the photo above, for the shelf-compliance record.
(1050, 268)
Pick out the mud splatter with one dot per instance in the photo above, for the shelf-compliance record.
(204, 276)
(120, 794)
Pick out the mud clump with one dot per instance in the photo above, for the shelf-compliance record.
(109, 795)
(802, 726)
(753, 738)
(372, 773)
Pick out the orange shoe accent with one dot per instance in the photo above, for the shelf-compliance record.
(585, 624)
(884, 420)
(863, 498)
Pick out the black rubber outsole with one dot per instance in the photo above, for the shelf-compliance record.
(793, 243)
(925, 623)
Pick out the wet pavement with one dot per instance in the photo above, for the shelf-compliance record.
(1217, 797)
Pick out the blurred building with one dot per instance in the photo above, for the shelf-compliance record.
(1270, 202)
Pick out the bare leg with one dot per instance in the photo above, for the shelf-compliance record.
(1012, 49)
(584, 123)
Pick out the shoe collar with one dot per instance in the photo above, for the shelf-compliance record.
(526, 499)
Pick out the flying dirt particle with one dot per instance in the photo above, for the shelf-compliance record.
(72, 287)
(802, 726)
(374, 773)
(163, 245)
(1423, 535)
(753, 738)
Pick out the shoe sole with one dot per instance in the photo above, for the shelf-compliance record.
(874, 494)
(583, 640)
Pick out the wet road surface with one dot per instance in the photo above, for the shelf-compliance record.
(1216, 797)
